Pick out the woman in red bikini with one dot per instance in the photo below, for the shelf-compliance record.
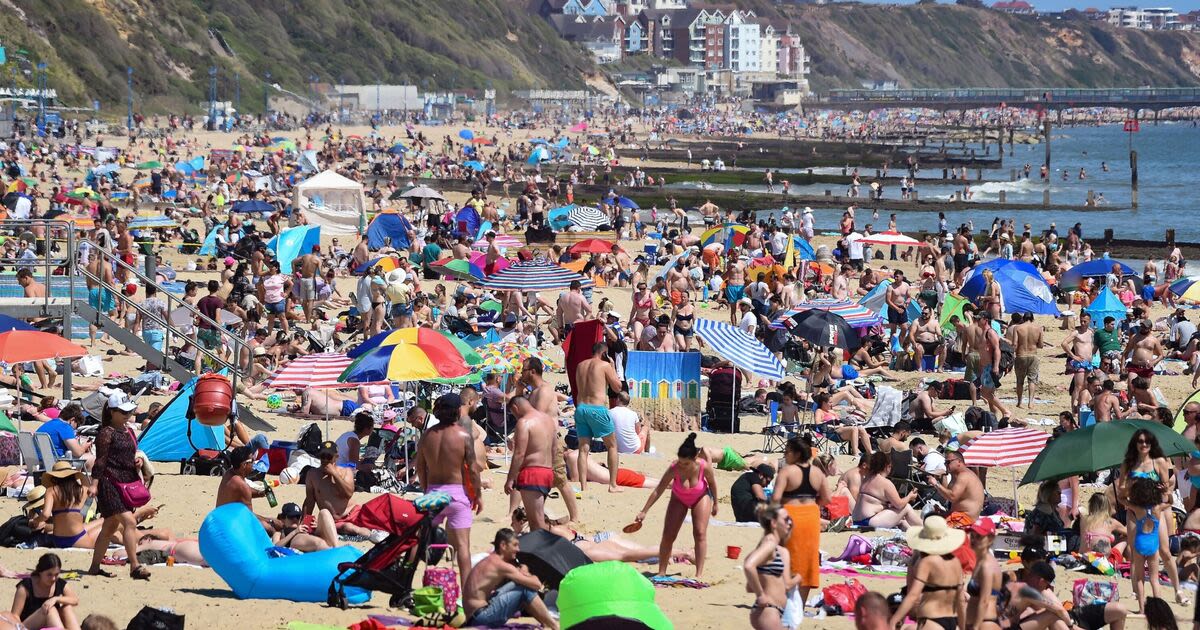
(694, 490)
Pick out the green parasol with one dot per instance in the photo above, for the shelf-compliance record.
(1098, 447)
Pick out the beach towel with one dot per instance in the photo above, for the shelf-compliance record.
(577, 347)
(673, 581)
(804, 545)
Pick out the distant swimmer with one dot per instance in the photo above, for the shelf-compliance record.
(1104, 166)
(1082, 174)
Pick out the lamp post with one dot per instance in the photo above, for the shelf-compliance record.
(41, 88)
(237, 91)
(129, 86)
(267, 93)
(212, 97)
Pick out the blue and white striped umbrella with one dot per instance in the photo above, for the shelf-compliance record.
(533, 275)
(740, 347)
(149, 223)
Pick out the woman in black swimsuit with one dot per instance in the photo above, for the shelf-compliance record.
(684, 313)
(935, 578)
(767, 571)
(43, 600)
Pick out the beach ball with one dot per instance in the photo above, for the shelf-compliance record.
(274, 401)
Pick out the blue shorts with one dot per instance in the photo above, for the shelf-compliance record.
(348, 407)
(402, 310)
(506, 603)
(592, 421)
(275, 308)
(735, 292)
(154, 338)
(101, 299)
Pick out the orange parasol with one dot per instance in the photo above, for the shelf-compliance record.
(19, 346)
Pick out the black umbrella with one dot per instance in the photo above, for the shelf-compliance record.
(824, 329)
(549, 556)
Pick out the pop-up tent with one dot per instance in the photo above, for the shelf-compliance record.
(293, 243)
(166, 439)
(334, 202)
(389, 224)
(466, 221)
(1105, 305)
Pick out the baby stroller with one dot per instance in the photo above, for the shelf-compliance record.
(390, 565)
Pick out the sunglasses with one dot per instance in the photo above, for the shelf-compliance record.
(1143, 441)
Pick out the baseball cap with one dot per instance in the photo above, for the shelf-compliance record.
(229, 261)
(983, 527)
(327, 448)
(120, 400)
(291, 510)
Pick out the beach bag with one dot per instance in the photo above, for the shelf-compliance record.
(856, 546)
(838, 507)
(444, 578)
(134, 494)
(1088, 592)
(10, 453)
(155, 619)
(892, 554)
(16, 531)
(793, 612)
(309, 439)
(843, 595)
(428, 604)
(91, 365)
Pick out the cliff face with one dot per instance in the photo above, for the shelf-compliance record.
(171, 44)
(456, 44)
(955, 46)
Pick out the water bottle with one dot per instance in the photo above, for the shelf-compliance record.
(271, 500)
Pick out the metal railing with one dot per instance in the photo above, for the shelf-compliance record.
(232, 340)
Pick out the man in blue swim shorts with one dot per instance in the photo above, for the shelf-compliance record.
(594, 378)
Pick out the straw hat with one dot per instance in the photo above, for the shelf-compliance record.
(35, 499)
(61, 470)
(935, 537)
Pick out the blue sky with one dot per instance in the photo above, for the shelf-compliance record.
(1182, 6)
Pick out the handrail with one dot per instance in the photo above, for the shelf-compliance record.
(168, 327)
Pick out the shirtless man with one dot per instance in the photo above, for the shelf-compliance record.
(922, 406)
(331, 487)
(988, 347)
(530, 472)
(446, 463)
(361, 253)
(898, 440)
(841, 283)
(497, 589)
(544, 399)
(926, 338)
(1026, 338)
(1143, 351)
(969, 336)
(1079, 346)
(965, 492)
(100, 294)
(897, 305)
(735, 285)
(32, 288)
(594, 378)
(125, 249)
(460, 250)
(493, 254)
(307, 268)
(234, 489)
(710, 212)
(1106, 405)
(572, 309)
(319, 402)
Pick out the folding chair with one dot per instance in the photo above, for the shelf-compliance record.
(45, 450)
(29, 456)
(775, 434)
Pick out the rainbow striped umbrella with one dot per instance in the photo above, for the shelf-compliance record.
(472, 359)
(729, 235)
(389, 263)
(1187, 289)
(458, 269)
(509, 356)
(855, 314)
(534, 275)
(406, 354)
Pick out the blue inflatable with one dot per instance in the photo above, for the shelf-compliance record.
(235, 545)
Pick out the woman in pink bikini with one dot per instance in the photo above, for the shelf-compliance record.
(694, 490)
(639, 316)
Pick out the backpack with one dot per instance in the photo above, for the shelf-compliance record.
(980, 419)
(15, 531)
(310, 439)
(1008, 357)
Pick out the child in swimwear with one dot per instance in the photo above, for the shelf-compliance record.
(1146, 507)
(1189, 558)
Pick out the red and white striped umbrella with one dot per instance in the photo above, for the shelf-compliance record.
(889, 238)
(1006, 447)
(313, 371)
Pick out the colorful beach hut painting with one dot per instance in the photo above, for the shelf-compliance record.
(665, 386)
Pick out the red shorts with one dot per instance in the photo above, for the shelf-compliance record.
(1141, 370)
(129, 259)
(536, 479)
(630, 478)
(350, 516)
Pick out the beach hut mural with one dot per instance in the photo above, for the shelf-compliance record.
(665, 387)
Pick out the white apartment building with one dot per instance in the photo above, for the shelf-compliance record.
(1149, 19)
(743, 43)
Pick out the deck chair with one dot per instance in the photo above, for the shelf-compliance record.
(776, 434)
(45, 450)
(907, 476)
(650, 252)
(29, 456)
